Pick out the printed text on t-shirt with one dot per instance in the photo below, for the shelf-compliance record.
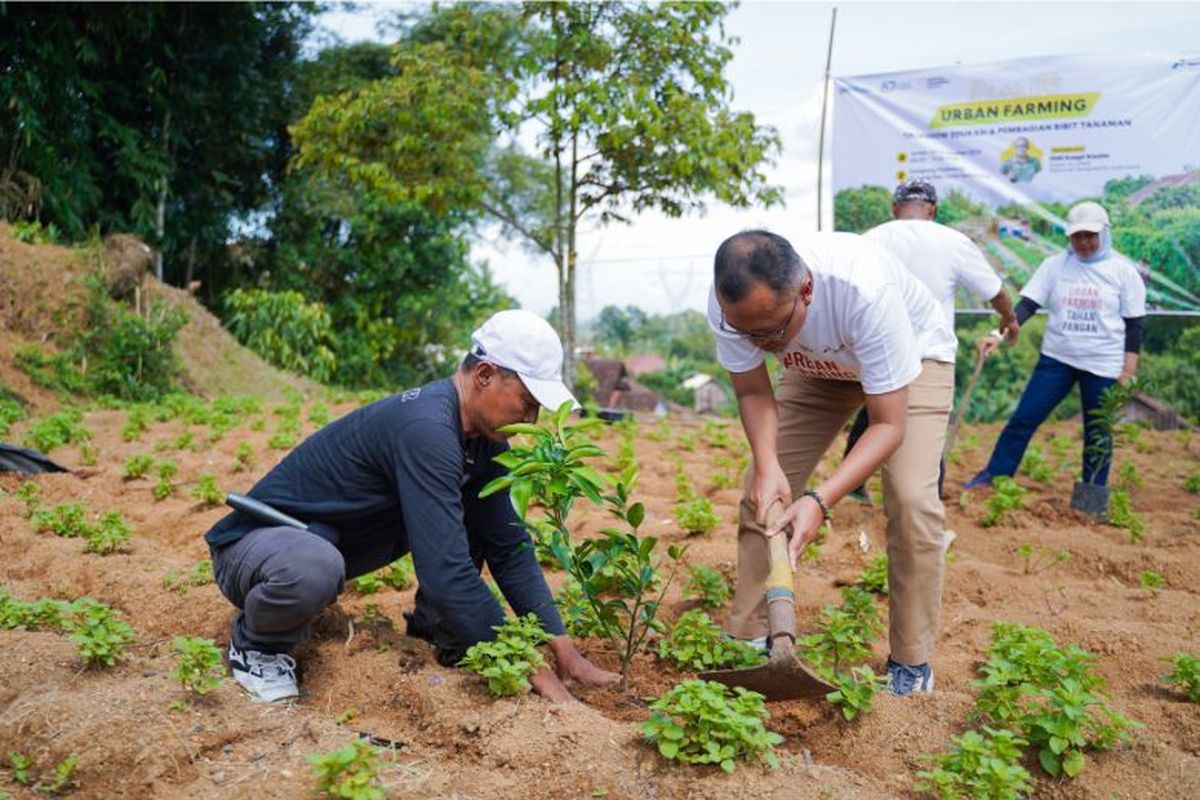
(829, 370)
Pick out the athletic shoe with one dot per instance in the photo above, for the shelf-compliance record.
(266, 676)
(982, 478)
(904, 679)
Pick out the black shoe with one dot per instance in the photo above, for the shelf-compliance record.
(447, 650)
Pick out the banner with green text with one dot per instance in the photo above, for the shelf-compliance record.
(1011, 145)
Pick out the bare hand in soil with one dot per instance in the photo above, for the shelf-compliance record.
(547, 684)
(575, 668)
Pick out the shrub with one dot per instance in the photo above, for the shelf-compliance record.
(349, 773)
(703, 722)
(986, 765)
(198, 666)
(695, 642)
(1185, 676)
(508, 660)
(285, 329)
(707, 585)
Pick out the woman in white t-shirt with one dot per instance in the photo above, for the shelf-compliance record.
(1096, 301)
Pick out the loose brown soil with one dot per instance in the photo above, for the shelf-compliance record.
(449, 739)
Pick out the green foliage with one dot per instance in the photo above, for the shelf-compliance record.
(281, 440)
(844, 633)
(982, 765)
(1185, 676)
(577, 612)
(707, 585)
(856, 691)
(695, 642)
(21, 765)
(137, 466)
(859, 210)
(350, 772)
(703, 722)
(1007, 495)
(1049, 696)
(63, 781)
(507, 661)
(30, 494)
(1041, 558)
(10, 411)
(109, 535)
(1150, 580)
(57, 429)
(167, 469)
(1122, 515)
(1035, 465)
(1192, 483)
(56, 371)
(32, 232)
(243, 456)
(874, 577)
(1128, 477)
(68, 520)
(199, 575)
(285, 329)
(206, 490)
(398, 575)
(198, 666)
(696, 516)
(100, 633)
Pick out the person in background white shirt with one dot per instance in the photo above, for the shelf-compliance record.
(1097, 302)
(943, 259)
(849, 324)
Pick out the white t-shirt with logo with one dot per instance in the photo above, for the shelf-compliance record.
(941, 257)
(1087, 305)
(870, 320)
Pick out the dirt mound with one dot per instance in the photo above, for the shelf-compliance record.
(41, 294)
(448, 739)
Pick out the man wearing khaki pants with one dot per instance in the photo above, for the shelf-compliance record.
(850, 325)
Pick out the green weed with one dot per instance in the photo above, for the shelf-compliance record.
(1041, 558)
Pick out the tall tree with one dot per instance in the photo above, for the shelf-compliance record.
(627, 103)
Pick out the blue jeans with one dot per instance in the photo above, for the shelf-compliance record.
(1049, 384)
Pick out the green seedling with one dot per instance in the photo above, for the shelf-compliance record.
(696, 643)
(844, 634)
(696, 516)
(198, 666)
(199, 575)
(30, 494)
(1151, 580)
(206, 491)
(1007, 496)
(1122, 515)
(63, 781)
(185, 441)
(109, 535)
(100, 633)
(10, 411)
(508, 660)
(982, 765)
(874, 577)
(1035, 465)
(1192, 483)
(21, 766)
(68, 520)
(370, 583)
(371, 615)
(56, 430)
(320, 415)
(89, 454)
(1128, 477)
(349, 773)
(856, 691)
(137, 466)
(577, 613)
(242, 457)
(706, 585)
(704, 722)
(258, 424)
(1041, 558)
(167, 469)
(1185, 676)
(687, 441)
(281, 440)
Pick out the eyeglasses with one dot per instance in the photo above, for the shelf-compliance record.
(773, 335)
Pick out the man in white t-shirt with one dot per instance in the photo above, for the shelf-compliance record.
(849, 324)
(941, 258)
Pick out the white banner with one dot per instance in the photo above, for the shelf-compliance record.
(1043, 129)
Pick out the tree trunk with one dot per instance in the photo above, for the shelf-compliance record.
(160, 220)
(568, 307)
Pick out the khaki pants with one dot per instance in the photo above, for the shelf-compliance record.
(811, 413)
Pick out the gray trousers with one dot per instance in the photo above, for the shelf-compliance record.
(281, 579)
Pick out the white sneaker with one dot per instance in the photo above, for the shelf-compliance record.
(266, 676)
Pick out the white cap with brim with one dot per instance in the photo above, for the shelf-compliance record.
(526, 344)
(1089, 216)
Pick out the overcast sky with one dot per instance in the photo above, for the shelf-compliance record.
(663, 265)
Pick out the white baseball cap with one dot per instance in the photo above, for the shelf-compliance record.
(526, 344)
(1089, 216)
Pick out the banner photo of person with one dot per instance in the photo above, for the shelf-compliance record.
(1011, 145)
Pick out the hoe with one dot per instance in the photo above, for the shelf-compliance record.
(783, 677)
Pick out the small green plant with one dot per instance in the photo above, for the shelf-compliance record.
(696, 516)
(370, 583)
(243, 456)
(109, 535)
(982, 765)
(136, 422)
(198, 666)
(100, 633)
(1122, 515)
(687, 441)
(10, 411)
(63, 780)
(89, 454)
(1040, 558)
(844, 634)
(1185, 676)
(58, 429)
(68, 520)
(704, 722)
(206, 490)
(1035, 465)
(1192, 483)
(319, 415)
(577, 613)
(350, 772)
(874, 577)
(30, 494)
(281, 440)
(1007, 496)
(507, 661)
(695, 642)
(21, 766)
(167, 469)
(706, 585)
(1151, 580)
(856, 691)
(137, 466)
(199, 575)
(1128, 477)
